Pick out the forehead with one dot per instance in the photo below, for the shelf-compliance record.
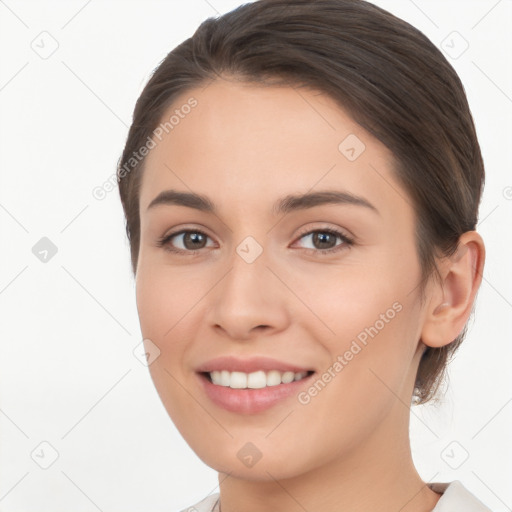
(248, 142)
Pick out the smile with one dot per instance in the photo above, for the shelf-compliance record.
(254, 380)
(268, 390)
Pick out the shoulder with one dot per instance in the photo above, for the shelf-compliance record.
(208, 504)
(456, 497)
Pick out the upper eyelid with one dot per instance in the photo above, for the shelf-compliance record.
(302, 233)
(342, 233)
(307, 231)
(181, 231)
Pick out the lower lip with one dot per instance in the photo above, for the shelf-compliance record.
(250, 401)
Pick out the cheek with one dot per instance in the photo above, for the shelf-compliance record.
(368, 318)
(165, 306)
(375, 322)
(165, 297)
(164, 310)
(350, 299)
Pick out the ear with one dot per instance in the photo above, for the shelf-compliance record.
(452, 298)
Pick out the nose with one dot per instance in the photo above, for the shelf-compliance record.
(249, 301)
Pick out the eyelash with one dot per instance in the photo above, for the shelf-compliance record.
(347, 241)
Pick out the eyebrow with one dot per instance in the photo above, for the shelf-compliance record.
(284, 205)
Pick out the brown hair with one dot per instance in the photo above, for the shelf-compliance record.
(385, 73)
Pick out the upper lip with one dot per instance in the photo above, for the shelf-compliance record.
(253, 364)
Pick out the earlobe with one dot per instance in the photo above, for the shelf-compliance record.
(452, 298)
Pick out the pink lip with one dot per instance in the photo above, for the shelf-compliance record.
(250, 401)
(253, 364)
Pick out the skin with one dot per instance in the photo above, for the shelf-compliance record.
(245, 146)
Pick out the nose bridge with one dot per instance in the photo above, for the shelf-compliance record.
(248, 270)
(248, 296)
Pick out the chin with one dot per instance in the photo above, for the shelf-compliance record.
(245, 461)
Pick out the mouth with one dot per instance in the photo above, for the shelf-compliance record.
(254, 392)
(255, 380)
(251, 385)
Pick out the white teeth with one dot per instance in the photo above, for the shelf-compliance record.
(254, 380)
(287, 377)
(238, 380)
(224, 378)
(273, 378)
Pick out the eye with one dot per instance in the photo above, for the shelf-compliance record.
(185, 241)
(325, 240)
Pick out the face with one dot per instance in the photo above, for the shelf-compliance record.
(290, 267)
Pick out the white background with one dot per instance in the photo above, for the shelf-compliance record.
(68, 375)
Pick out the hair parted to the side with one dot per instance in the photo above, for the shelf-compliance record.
(382, 71)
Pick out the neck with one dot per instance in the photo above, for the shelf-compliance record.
(378, 474)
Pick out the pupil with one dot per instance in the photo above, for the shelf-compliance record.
(194, 240)
(320, 239)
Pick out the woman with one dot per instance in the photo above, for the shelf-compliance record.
(301, 184)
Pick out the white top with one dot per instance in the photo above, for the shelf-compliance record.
(455, 498)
